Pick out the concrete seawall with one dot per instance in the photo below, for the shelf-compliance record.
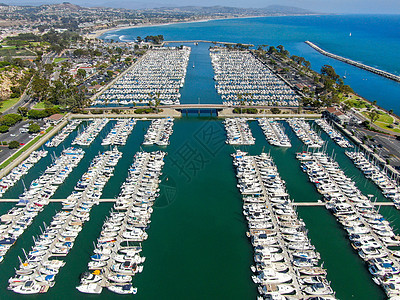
(354, 63)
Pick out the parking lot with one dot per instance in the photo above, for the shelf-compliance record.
(385, 146)
(19, 133)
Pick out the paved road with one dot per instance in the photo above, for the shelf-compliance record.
(390, 146)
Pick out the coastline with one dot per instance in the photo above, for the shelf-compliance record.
(97, 33)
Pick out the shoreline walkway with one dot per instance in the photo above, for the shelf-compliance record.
(354, 63)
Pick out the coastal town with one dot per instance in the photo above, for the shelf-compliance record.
(101, 137)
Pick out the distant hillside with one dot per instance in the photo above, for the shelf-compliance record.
(213, 10)
(64, 6)
(286, 10)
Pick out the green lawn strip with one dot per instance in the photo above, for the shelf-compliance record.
(58, 59)
(8, 103)
(39, 105)
(27, 146)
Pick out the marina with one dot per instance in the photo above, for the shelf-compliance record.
(238, 132)
(22, 169)
(62, 135)
(274, 132)
(333, 134)
(37, 273)
(241, 78)
(157, 78)
(138, 285)
(388, 186)
(119, 134)
(371, 235)
(90, 132)
(116, 256)
(159, 132)
(305, 133)
(286, 262)
(33, 200)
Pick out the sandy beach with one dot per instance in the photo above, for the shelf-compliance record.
(97, 33)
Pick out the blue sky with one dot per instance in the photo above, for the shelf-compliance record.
(327, 6)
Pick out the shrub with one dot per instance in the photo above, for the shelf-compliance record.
(147, 110)
(37, 114)
(275, 110)
(13, 145)
(97, 111)
(33, 128)
(251, 110)
(3, 128)
(236, 110)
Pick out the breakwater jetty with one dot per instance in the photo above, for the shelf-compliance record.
(354, 63)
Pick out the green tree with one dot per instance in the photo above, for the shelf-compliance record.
(81, 74)
(13, 145)
(37, 114)
(275, 110)
(329, 72)
(39, 88)
(3, 128)
(373, 115)
(10, 119)
(23, 111)
(33, 128)
(110, 73)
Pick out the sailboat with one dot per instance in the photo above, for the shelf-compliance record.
(193, 64)
(344, 76)
(350, 34)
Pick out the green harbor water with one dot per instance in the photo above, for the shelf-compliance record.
(197, 247)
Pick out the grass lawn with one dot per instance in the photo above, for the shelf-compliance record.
(5, 46)
(59, 59)
(384, 121)
(8, 103)
(7, 51)
(383, 118)
(26, 147)
(39, 105)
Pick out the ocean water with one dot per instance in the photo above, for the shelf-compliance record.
(374, 40)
